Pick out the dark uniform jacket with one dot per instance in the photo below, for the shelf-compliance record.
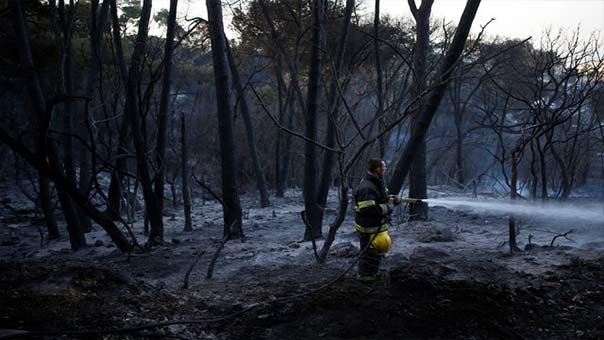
(371, 205)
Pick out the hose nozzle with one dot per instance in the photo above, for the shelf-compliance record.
(398, 200)
(410, 200)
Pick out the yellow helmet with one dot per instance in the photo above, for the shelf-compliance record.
(381, 243)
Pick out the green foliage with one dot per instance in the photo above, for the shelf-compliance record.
(131, 10)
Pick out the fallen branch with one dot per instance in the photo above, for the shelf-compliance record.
(186, 283)
(216, 254)
(561, 235)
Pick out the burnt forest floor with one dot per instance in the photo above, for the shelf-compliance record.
(450, 277)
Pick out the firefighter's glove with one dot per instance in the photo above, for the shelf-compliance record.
(394, 200)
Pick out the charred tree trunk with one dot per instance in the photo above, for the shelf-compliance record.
(332, 111)
(116, 186)
(186, 187)
(417, 178)
(55, 174)
(77, 239)
(62, 22)
(53, 170)
(232, 209)
(342, 209)
(84, 184)
(513, 193)
(543, 170)
(314, 214)
(45, 202)
(534, 178)
(431, 104)
(152, 204)
(97, 25)
(249, 128)
(379, 92)
(287, 148)
(281, 89)
(566, 180)
(164, 103)
(460, 173)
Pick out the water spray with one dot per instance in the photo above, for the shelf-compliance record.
(585, 212)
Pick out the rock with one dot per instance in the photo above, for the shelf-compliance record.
(99, 243)
(175, 241)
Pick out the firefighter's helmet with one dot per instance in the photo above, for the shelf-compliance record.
(381, 243)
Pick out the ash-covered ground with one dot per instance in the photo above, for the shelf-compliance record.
(449, 277)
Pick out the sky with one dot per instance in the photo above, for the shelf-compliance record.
(513, 18)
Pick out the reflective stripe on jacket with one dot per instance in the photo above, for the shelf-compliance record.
(371, 205)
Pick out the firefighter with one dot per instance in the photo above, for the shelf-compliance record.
(372, 208)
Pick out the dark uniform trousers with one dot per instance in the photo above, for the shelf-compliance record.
(369, 262)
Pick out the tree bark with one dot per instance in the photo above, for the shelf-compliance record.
(431, 105)
(287, 148)
(186, 187)
(77, 240)
(115, 187)
(281, 89)
(62, 23)
(333, 228)
(68, 126)
(417, 179)
(232, 208)
(45, 202)
(543, 170)
(534, 178)
(164, 103)
(379, 78)
(97, 26)
(314, 214)
(332, 111)
(513, 193)
(566, 180)
(152, 204)
(249, 128)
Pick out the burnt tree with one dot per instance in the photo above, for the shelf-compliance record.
(334, 102)
(435, 96)
(249, 128)
(43, 158)
(417, 176)
(314, 213)
(232, 208)
(164, 103)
